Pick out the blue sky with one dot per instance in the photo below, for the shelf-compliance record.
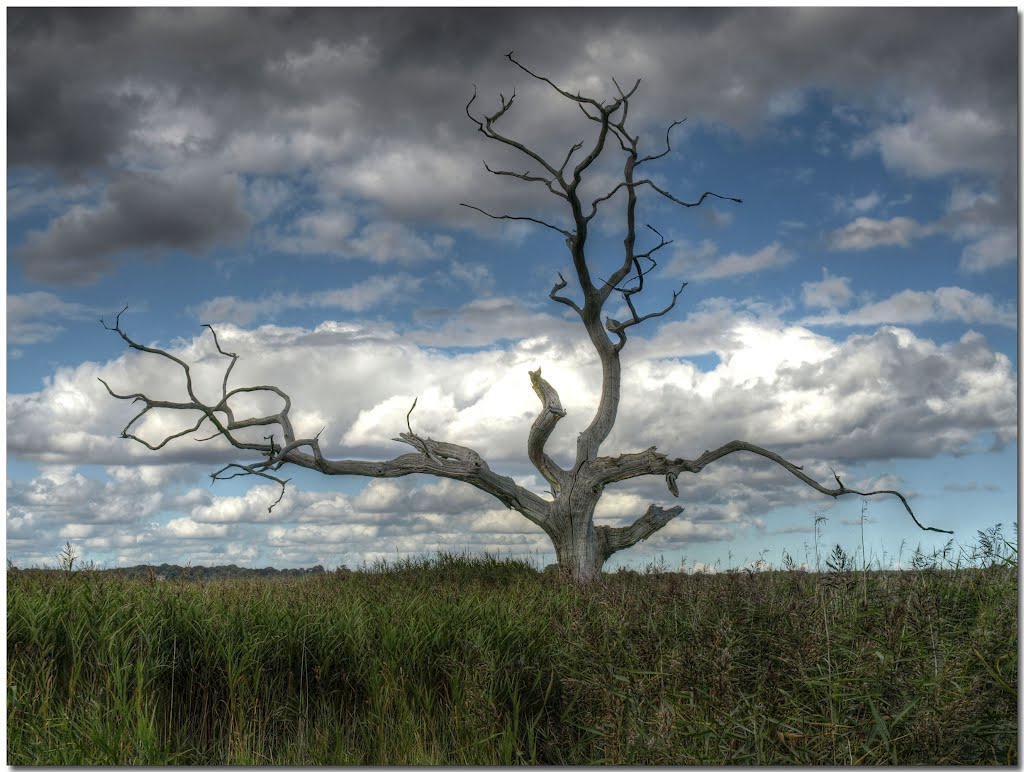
(294, 178)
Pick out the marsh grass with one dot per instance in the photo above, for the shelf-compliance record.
(479, 661)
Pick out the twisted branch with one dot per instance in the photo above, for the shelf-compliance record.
(668, 144)
(441, 459)
(561, 284)
(551, 413)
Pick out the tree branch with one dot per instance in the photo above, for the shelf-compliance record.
(619, 328)
(710, 456)
(582, 100)
(665, 193)
(528, 178)
(654, 519)
(668, 144)
(561, 285)
(573, 149)
(441, 459)
(604, 111)
(550, 414)
(251, 469)
(486, 127)
(567, 234)
(698, 202)
(650, 462)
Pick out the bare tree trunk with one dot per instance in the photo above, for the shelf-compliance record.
(579, 553)
(579, 550)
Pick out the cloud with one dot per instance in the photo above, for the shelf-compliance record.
(817, 399)
(319, 232)
(297, 91)
(936, 141)
(857, 204)
(830, 292)
(301, 58)
(992, 251)
(60, 495)
(254, 506)
(477, 276)
(867, 233)
(489, 320)
(49, 98)
(186, 528)
(37, 317)
(140, 212)
(939, 140)
(358, 297)
(706, 263)
(881, 395)
(986, 218)
(336, 233)
(970, 487)
(385, 242)
(914, 307)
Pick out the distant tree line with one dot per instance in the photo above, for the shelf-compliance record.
(167, 571)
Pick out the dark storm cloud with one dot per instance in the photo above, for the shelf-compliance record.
(139, 212)
(47, 125)
(357, 97)
(724, 64)
(59, 113)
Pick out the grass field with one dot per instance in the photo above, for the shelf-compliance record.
(480, 661)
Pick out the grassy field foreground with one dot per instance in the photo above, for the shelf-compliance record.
(461, 661)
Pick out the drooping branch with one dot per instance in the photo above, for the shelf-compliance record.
(257, 470)
(651, 462)
(567, 234)
(710, 456)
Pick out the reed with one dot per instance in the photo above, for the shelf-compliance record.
(457, 660)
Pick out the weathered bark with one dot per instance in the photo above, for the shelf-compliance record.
(568, 519)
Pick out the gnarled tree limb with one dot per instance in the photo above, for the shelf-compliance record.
(550, 414)
(653, 520)
(441, 459)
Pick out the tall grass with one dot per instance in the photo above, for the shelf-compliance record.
(477, 661)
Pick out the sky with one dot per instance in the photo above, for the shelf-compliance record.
(294, 178)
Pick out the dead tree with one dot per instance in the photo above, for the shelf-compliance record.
(568, 519)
